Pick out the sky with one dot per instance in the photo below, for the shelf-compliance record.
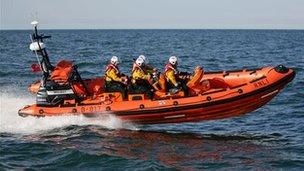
(153, 14)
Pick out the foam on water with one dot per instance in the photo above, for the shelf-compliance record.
(11, 122)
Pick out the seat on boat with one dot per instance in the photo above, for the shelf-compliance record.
(93, 86)
(197, 84)
(218, 83)
(196, 78)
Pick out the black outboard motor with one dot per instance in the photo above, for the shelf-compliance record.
(53, 94)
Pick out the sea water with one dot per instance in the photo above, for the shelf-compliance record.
(271, 137)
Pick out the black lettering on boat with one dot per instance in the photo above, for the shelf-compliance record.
(261, 83)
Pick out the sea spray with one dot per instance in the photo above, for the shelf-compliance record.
(11, 122)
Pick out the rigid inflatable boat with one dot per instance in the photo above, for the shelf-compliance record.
(213, 95)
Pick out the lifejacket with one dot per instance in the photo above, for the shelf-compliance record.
(169, 67)
(135, 66)
(109, 67)
(139, 80)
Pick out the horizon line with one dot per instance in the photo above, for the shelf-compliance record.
(25, 29)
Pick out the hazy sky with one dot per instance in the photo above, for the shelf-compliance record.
(109, 14)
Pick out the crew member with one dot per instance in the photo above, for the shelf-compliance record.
(141, 80)
(115, 81)
(148, 68)
(174, 83)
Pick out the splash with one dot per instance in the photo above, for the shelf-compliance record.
(11, 122)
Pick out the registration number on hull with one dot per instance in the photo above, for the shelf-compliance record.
(261, 83)
(91, 109)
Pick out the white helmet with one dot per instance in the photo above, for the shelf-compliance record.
(146, 61)
(139, 61)
(173, 60)
(114, 60)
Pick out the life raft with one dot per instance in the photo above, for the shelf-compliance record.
(213, 95)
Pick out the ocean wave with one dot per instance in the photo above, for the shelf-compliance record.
(11, 122)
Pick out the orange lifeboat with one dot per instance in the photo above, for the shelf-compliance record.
(213, 95)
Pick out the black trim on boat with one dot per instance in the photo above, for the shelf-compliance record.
(252, 72)
(226, 74)
(214, 72)
(236, 70)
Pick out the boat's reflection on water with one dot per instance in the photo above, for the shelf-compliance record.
(178, 150)
(184, 150)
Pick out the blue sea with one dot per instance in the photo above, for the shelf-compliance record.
(270, 138)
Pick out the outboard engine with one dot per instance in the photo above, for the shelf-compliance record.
(53, 94)
(58, 87)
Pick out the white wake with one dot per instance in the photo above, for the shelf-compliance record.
(11, 122)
